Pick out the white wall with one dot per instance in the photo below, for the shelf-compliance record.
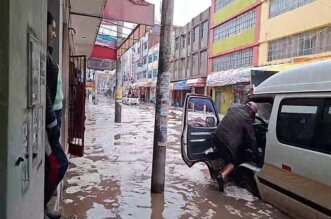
(24, 16)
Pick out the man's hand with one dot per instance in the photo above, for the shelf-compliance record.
(53, 134)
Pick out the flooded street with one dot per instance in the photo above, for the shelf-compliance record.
(113, 179)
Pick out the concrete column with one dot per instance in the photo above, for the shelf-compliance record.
(22, 179)
(4, 84)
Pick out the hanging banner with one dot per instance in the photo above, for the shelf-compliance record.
(106, 41)
(134, 11)
(104, 53)
(181, 85)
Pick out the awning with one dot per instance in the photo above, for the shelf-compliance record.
(152, 82)
(143, 84)
(134, 11)
(181, 85)
(198, 82)
(241, 75)
(229, 77)
(85, 28)
(282, 67)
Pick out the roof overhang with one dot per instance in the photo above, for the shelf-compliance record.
(139, 31)
(85, 19)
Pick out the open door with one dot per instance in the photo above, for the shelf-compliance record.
(200, 120)
(77, 98)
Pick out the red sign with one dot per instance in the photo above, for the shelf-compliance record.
(104, 53)
(134, 11)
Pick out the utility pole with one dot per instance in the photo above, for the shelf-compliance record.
(162, 99)
(118, 89)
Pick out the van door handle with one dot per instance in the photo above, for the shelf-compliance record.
(34, 155)
(18, 161)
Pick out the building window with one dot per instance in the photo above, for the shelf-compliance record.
(177, 43)
(195, 64)
(145, 45)
(155, 73)
(150, 74)
(305, 123)
(183, 39)
(178, 68)
(140, 63)
(242, 58)
(235, 26)
(182, 61)
(189, 38)
(278, 7)
(204, 30)
(155, 57)
(203, 63)
(219, 4)
(307, 43)
(195, 34)
(150, 59)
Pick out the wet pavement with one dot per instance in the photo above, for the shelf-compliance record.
(113, 179)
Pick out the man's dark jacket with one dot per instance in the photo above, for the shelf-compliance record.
(236, 130)
(51, 89)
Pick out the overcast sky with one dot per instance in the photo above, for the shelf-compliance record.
(185, 10)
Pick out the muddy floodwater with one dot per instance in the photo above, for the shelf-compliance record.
(113, 178)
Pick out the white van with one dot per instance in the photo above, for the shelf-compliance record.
(293, 129)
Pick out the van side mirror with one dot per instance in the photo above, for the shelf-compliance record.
(210, 121)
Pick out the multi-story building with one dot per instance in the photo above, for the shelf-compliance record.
(127, 68)
(141, 56)
(295, 31)
(153, 65)
(190, 58)
(234, 44)
(135, 65)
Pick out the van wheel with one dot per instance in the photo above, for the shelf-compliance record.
(245, 179)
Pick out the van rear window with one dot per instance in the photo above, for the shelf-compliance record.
(305, 123)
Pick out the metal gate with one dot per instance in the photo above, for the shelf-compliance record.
(76, 126)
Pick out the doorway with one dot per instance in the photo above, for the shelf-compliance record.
(218, 101)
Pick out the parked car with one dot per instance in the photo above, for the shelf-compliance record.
(130, 101)
(293, 129)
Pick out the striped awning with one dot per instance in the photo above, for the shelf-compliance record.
(229, 77)
(197, 82)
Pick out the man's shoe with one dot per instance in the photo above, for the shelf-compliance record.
(220, 183)
(51, 214)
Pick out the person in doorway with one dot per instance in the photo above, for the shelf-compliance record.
(234, 134)
(56, 162)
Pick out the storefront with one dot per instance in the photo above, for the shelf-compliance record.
(198, 85)
(232, 86)
(179, 91)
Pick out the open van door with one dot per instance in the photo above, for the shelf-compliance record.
(200, 120)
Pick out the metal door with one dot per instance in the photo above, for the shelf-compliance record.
(77, 95)
(218, 101)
